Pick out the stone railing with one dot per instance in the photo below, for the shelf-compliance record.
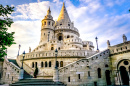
(81, 67)
(28, 69)
(61, 53)
(123, 47)
(66, 27)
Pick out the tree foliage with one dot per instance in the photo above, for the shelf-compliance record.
(6, 38)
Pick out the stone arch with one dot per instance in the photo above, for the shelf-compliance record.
(124, 75)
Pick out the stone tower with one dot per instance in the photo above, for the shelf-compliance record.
(47, 28)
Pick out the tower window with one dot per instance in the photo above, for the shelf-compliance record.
(49, 63)
(88, 73)
(35, 64)
(57, 63)
(68, 36)
(46, 64)
(48, 23)
(41, 64)
(44, 23)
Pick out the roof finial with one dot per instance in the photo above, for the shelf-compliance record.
(49, 11)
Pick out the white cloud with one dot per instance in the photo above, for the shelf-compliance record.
(90, 18)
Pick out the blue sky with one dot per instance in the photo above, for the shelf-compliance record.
(106, 19)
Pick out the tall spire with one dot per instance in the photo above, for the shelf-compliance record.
(63, 14)
(49, 11)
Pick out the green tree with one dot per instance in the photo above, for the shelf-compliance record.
(6, 38)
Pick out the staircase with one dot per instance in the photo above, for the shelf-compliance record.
(37, 82)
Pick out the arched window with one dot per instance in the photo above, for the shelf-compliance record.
(57, 63)
(48, 23)
(99, 72)
(49, 63)
(46, 64)
(52, 48)
(44, 23)
(60, 38)
(35, 64)
(68, 36)
(32, 64)
(106, 65)
(88, 73)
(41, 64)
(61, 63)
(59, 48)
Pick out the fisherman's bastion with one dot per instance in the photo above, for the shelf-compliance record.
(63, 59)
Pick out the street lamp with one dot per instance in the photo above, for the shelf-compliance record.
(56, 72)
(97, 43)
(56, 53)
(23, 59)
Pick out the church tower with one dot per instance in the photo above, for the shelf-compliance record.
(47, 28)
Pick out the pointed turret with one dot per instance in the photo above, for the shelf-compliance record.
(63, 14)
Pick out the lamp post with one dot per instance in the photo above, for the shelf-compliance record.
(56, 53)
(56, 72)
(23, 59)
(21, 69)
(97, 43)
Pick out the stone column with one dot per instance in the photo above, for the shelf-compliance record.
(56, 75)
(21, 74)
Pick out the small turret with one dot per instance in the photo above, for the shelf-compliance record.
(124, 38)
(108, 43)
(29, 49)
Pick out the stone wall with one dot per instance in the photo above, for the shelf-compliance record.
(10, 72)
(84, 71)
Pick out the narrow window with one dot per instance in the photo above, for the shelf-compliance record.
(32, 64)
(44, 23)
(8, 76)
(48, 23)
(35, 64)
(41, 64)
(61, 63)
(68, 24)
(88, 73)
(44, 34)
(79, 76)
(57, 63)
(45, 64)
(99, 72)
(69, 79)
(49, 63)
(12, 78)
(59, 48)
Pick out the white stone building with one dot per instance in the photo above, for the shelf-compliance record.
(78, 63)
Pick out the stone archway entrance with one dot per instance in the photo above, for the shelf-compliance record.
(108, 79)
(124, 75)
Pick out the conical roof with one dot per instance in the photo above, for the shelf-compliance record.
(63, 14)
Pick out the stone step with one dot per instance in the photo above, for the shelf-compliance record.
(37, 82)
